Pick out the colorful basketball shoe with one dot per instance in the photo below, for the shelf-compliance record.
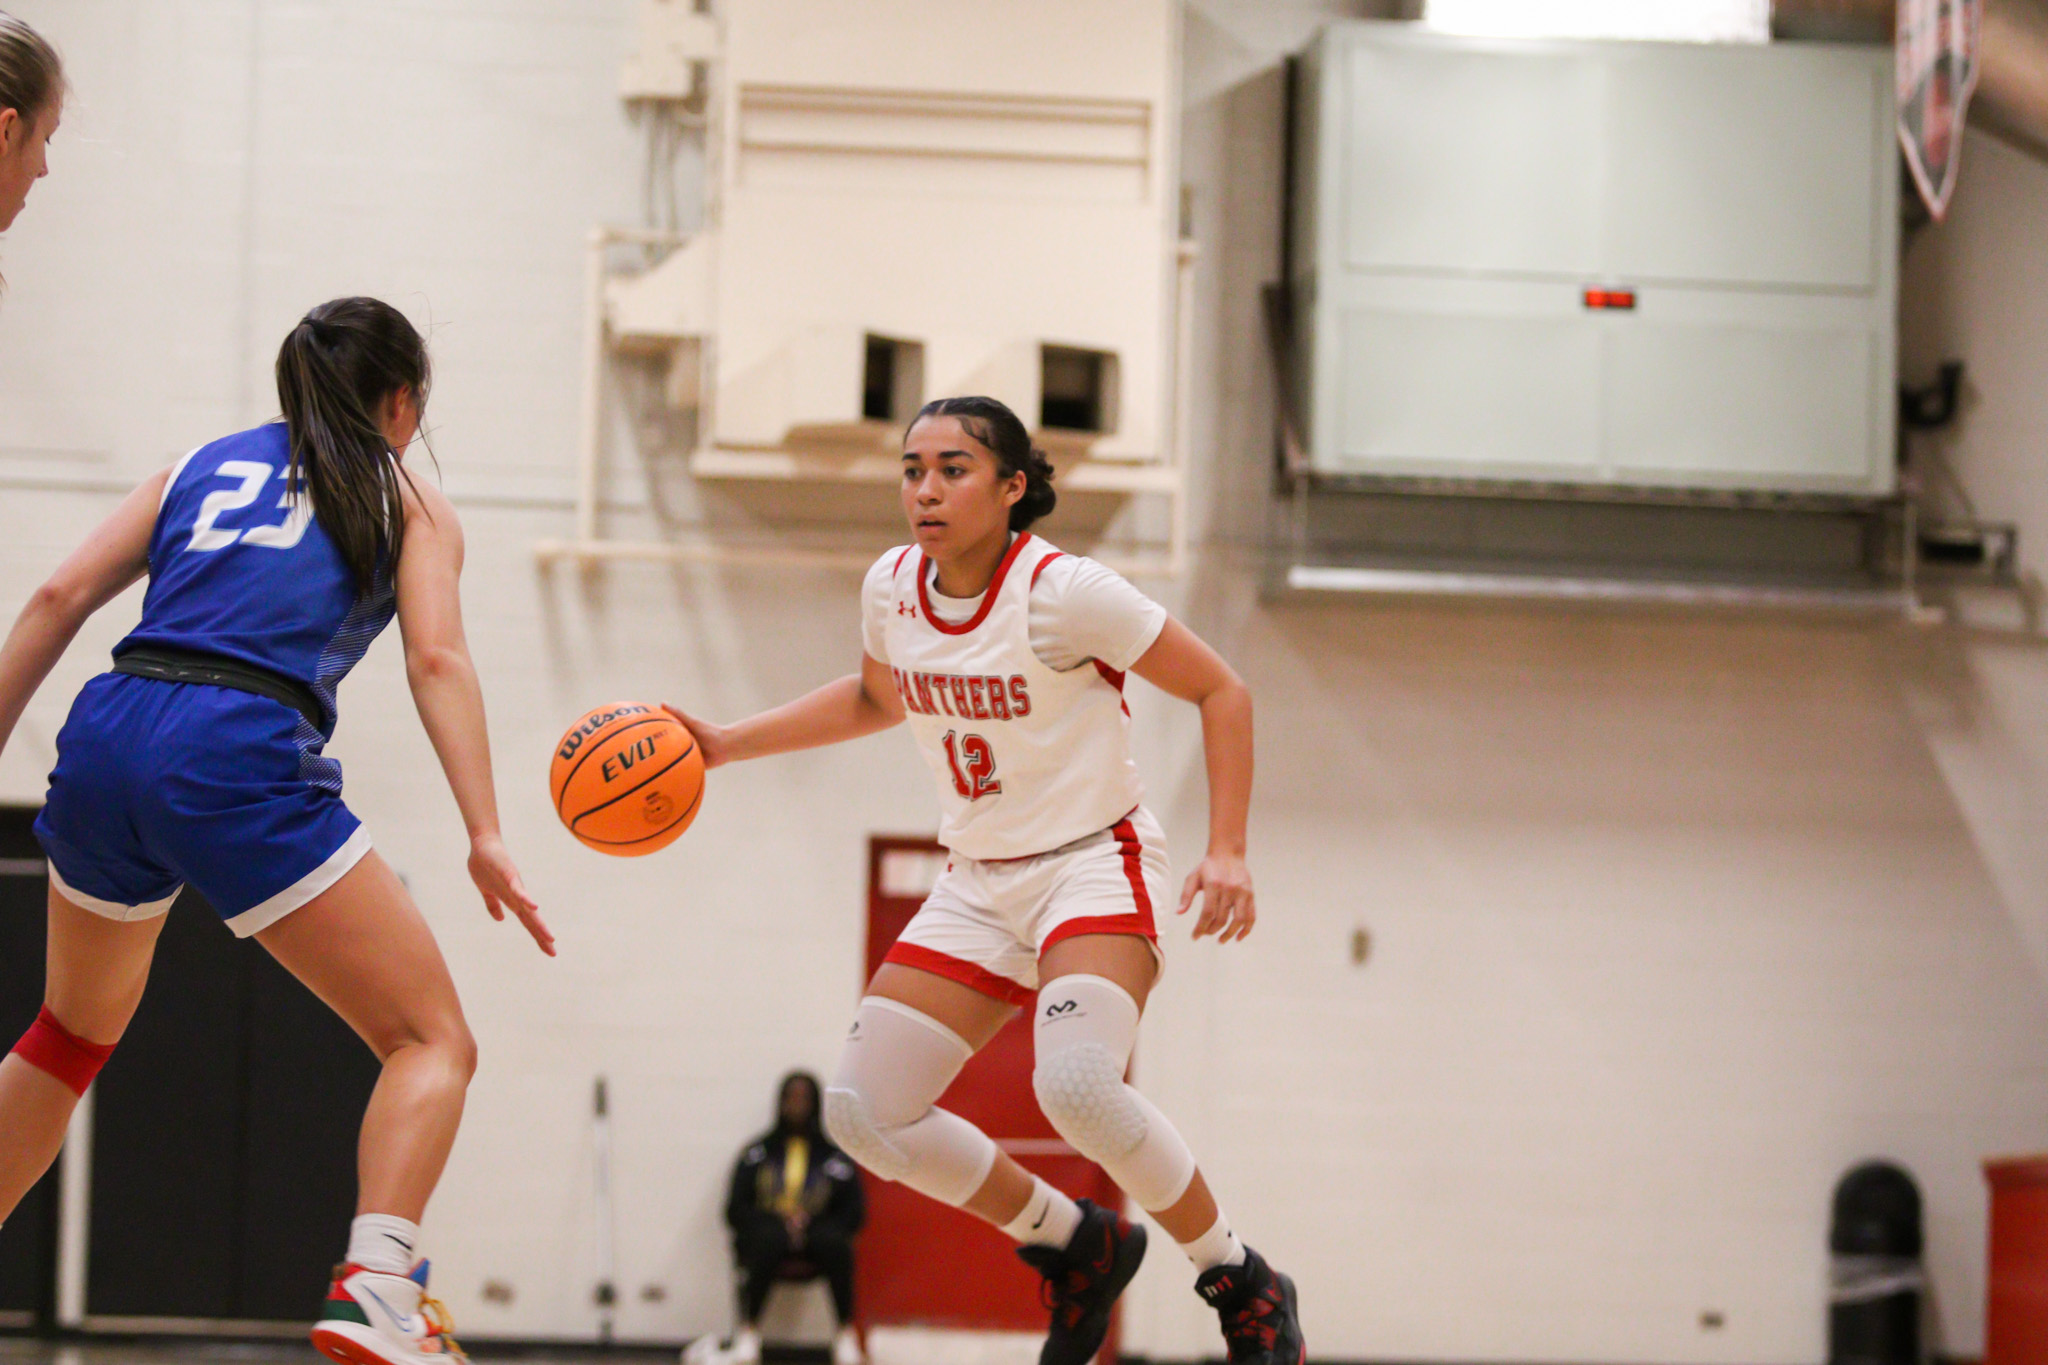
(1256, 1302)
(1083, 1280)
(374, 1318)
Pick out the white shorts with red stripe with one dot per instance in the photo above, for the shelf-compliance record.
(986, 924)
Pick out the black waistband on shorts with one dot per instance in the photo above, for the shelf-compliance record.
(168, 663)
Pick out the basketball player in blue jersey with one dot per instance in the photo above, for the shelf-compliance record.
(274, 557)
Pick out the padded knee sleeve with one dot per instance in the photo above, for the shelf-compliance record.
(1084, 1033)
(848, 1123)
(1081, 1089)
(51, 1048)
(878, 1107)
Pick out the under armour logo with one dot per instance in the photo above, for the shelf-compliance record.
(905, 609)
(1064, 1007)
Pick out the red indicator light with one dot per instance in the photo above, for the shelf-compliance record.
(1623, 299)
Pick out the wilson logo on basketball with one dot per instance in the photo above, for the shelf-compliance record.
(658, 808)
(591, 724)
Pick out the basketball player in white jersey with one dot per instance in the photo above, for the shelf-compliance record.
(1007, 658)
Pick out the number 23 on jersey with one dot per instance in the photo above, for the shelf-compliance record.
(253, 474)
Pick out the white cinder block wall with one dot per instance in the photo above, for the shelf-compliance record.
(1673, 917)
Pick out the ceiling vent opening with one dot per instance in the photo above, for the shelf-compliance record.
(892, 379)
(1076, 389)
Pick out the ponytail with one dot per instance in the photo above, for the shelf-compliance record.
(991, 422)
(335, 372)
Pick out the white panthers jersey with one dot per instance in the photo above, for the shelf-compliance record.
(1027, 757)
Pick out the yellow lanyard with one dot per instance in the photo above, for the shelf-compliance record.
(796, 1163)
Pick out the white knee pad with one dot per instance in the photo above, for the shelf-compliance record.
(1085, 1029)
(878, 1108)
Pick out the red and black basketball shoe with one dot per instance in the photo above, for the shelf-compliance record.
(1083, 1280)
(1256, 1302)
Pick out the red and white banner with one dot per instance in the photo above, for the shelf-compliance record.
(1937, 70)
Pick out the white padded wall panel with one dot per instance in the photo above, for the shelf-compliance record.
(1801, 390)
(1445, 172)
(1487, 394)
(1745, 167)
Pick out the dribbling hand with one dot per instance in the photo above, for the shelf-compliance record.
(1228, 908)
(710, 738)
(490, 867)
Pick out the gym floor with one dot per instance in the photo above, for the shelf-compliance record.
(200, 1351)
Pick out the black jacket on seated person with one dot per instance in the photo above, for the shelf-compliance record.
(795, 1195)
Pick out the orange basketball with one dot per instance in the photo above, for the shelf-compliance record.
(627, 779)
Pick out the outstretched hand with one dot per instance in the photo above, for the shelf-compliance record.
(490, 867)
(1228, 908)
(711, 739)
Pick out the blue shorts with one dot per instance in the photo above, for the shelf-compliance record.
(160, 784)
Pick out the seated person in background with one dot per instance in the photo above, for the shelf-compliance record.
(796, 1202)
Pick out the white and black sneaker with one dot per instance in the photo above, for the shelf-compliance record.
(743, 1349)
(847, 1348)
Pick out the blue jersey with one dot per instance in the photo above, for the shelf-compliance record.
(160, 783)
(239, 567)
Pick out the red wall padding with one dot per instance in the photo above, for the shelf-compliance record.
(2016, 1319)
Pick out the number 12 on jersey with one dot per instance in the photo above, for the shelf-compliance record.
(973, 764)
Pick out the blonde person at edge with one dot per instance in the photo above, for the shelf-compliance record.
(31, 106)
(1007, 659)
(274, 558)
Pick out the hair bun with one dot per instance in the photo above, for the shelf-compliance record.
(1040, 497)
